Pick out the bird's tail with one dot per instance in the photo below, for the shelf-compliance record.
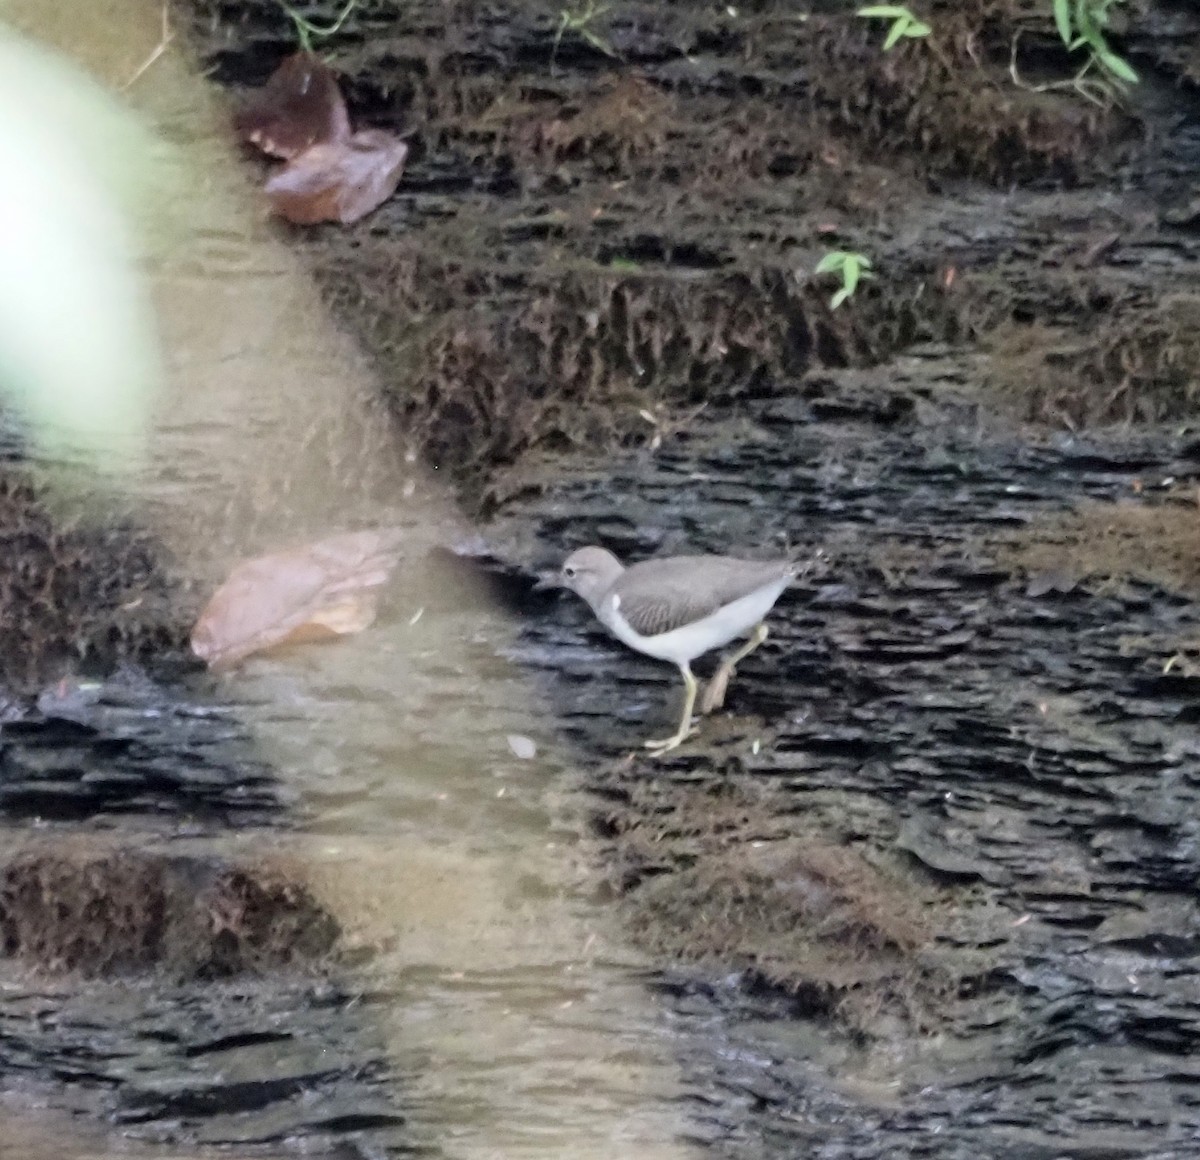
(801, 567)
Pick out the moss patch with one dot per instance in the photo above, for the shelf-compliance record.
(951, 99)
(1143, 365)
(727, 879)
(77, 907)
(1154, 541)
(73, 594)
(587, 233)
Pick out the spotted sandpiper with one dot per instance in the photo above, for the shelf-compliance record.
(678, 608)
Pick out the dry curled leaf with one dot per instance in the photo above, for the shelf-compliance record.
(300, 106)
(339, 181)
(320, 590)
(331, 175)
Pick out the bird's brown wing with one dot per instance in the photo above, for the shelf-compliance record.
(658, 596)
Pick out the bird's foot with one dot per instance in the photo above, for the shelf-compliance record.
(714, 691)
(658, 748)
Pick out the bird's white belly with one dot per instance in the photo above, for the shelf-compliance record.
(683, 645)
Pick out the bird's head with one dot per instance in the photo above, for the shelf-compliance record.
(589, 572)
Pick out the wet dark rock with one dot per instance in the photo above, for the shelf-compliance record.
(185, 998)
(242, 1063)
(829, 400)
(1022, 755)
(1165, 926)
(1045, 583)
(933, 850)
(128, 745)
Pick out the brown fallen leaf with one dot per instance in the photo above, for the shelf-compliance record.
(300, 106)
(332, 174)
(329, 588)
(339, 181)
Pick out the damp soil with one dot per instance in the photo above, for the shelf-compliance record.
(927, 885)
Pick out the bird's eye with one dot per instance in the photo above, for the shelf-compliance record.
(569, 571)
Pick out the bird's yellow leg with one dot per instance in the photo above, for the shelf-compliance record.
(685, 723)
(714, 691)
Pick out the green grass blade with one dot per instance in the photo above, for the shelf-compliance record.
(1085, 22)
(1117, 66)
(1062, 18)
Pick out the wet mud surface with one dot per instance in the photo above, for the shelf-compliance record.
(927, 885)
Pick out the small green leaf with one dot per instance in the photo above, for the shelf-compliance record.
(1062, 18)
(894, 34)
(1116, 65)
(1085, 21)
(917, 28)
(623, 264)
(834, 260)
(597, 42)
(839, 298)
(850, 274)
(885, 12)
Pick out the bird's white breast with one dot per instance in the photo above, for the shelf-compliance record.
(683, 645)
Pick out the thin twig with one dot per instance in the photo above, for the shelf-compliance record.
(306, 29)
(167, 36)
(1095, 91)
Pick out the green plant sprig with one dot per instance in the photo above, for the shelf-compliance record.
(580, 21)
(1082, 24)
(904, 23)
(851, 266)
(306, 30)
